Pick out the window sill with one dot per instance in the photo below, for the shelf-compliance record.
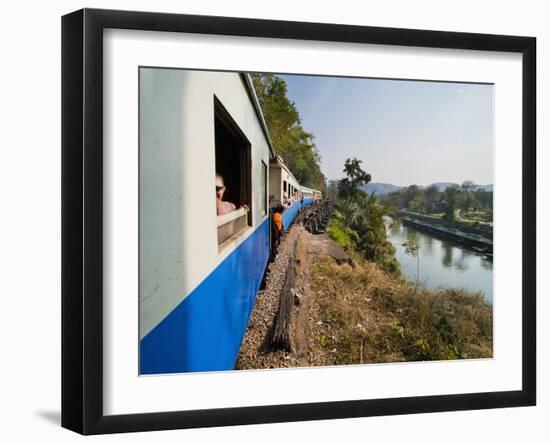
(235, 239)
(236, 221)
(230, 216)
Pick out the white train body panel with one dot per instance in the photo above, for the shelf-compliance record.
(178, 223)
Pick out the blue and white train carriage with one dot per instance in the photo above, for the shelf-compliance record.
(285, 190)
(199, 272)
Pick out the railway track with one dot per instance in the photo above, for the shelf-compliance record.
(274, 336)
(314, 218)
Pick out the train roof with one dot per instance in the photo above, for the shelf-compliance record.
(279, 162)
(305, 188)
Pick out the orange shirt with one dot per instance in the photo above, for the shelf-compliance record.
(278, 221)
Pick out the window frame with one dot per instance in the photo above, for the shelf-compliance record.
(222, 115)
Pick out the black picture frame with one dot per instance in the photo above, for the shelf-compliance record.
(82, 220)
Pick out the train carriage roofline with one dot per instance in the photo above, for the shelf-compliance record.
(278, 162)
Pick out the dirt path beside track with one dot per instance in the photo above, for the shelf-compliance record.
(256, 351)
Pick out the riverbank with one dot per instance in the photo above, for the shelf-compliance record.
(480, 242)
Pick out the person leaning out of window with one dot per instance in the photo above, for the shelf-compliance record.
(223, 207)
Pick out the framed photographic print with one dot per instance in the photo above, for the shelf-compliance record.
(269, 221)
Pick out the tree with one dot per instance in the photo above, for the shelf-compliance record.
(361, 218)
(412, 247)
(290, 140)
(431, 198)
(450, 200)
(332, 189)
(484, 198)
(417, 204)
(468, 185)
(469, 201)
(356, 177)
(410, 194)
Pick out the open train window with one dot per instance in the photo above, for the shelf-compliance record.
(233, 164)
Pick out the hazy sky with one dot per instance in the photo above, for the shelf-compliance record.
(405, 132)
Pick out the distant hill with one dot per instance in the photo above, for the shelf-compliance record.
(382, 189)
(442, 185)
(488, 188)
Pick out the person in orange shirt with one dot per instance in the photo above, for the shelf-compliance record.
(278, 219)
(277, 229)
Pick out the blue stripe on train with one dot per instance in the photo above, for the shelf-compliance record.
(204, 332)
(290, 213)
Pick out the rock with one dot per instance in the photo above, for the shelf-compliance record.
(297, 299)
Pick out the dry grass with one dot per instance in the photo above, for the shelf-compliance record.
(363, 315)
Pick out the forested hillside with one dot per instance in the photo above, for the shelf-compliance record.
(290, 140)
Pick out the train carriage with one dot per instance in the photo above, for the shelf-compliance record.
(199, 272)
(285, 190)
(308, 195)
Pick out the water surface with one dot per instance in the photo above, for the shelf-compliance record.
(443, 262)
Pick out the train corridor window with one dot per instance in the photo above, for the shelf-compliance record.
(233, 176)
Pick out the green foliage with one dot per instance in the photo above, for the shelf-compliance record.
(454, 200)
(290, 140)
(339, 233)
(450, 196)
(431, 198)
(412, 247)
(348, 188)
(359, 219)
(417, 203)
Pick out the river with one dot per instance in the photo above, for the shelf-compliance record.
(443, 262)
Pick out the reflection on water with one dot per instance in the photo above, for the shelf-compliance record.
(443, 263)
